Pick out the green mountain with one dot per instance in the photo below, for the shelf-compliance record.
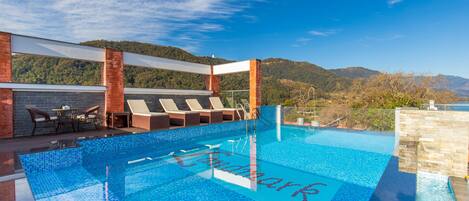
(47, 70)
(304, 72)
(354, 72)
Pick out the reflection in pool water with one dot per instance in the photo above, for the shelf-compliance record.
(289, 163)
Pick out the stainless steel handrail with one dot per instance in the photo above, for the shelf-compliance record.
(335, 121)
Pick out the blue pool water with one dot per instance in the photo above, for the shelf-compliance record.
(216, 162)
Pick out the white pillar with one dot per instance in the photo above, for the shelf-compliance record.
(278, 122)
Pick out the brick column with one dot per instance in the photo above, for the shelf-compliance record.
(6, 95)
(113, 79)
(213, 83)
(255, 80)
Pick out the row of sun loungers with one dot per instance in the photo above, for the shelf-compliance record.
(143, 118)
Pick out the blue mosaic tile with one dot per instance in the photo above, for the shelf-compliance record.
(51, 160)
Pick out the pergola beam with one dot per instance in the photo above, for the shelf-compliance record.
(235, 67)
(45, 47)
(53, 48)
(165, 64)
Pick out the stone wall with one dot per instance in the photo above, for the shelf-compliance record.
(46, 101)
(433, 141)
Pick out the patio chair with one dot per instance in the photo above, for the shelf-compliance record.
(90, 115)
(38, 116)
(143, 118)
(179, 117)
(228, 113)
(206, 115)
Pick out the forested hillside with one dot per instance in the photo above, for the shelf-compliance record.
(354, 72)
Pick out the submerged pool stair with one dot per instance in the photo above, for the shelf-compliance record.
(459, 188)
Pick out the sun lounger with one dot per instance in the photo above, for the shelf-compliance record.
(206, 115)
(228, 113)
(179, 117)
(143, 118)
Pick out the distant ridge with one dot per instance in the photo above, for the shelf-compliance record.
(458, 85)
(304, 72)
(354, 72)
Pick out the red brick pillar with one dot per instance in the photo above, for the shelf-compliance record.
(7, 166)
(113, 79)
(213, 83)
(6, 95)
(255, 80)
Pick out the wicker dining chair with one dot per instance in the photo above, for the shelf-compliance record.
(89, 116)
(41, 117)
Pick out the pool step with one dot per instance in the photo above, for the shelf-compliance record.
(12, 177)
(460, 188)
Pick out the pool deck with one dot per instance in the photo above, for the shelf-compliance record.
(460, 188)
(45, 142)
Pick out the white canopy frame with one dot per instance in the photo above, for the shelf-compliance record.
(53, 48)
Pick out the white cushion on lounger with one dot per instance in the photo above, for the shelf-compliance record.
(216, 103)
(169, 105)
(206, 110)
(44, 119)
(194, 104)
(90, 116)
(138, 106)
(182, 112)
(151, 114)
(227, 109)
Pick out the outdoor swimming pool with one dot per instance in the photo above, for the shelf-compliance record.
(218, 162)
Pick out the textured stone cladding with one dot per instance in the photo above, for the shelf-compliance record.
(46, 101)
(154, 105)
(434, 141)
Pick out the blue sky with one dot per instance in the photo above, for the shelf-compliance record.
(419, 36)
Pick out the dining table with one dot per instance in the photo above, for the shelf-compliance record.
(66, 116)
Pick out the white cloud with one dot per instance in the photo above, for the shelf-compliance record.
(301, 42)
(390, 37)
(324, 33)
(368, 41)
(181, 23)
(394, 2)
